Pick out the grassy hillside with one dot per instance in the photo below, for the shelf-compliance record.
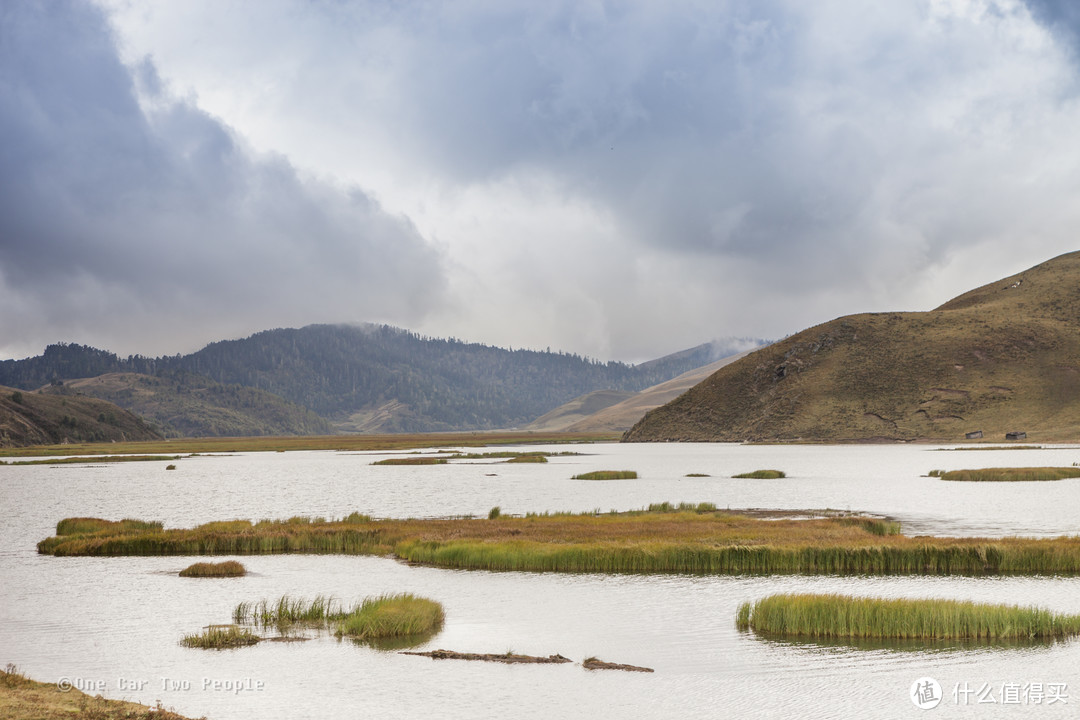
(28, 418)
(1001, 358)
(187, 405)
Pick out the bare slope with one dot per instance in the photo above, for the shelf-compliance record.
(187, 405)
(28, 418)
(1003, 357)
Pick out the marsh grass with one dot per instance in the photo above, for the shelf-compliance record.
(385, 616)
(761, 475)
(392, 616)
(83, 460)
(840, 616)
(229, 568)
(355, 442)
(494, 513)
(417, 460)
(221, 637)
(664, 538)
(1033, 474)
(607, 475)
(992, 447)
(528, 459)
(697, 475)
(82, 525)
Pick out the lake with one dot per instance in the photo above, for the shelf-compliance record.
(112, 625)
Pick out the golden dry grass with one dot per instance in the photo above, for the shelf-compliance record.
(322, 442)
(673, 539)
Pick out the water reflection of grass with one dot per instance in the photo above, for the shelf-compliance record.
(909, 645)
(843, 617)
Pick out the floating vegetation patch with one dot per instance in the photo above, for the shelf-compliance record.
(992, 447)
(97, 459)
(841, 616)
(663, 538)
(593, 663)
(221, 637)
(529, 458)
(392, 616)
(417, 460)
(761, 475)
(386, 616)
(1033, 474)
(509, 658)
(229, 568)
(697, 475)
(607, 475)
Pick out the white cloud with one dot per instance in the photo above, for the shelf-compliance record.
(625, 180)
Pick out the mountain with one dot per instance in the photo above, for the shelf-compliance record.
(28, 418)
(377, 378)
(181, 404)
(606, 411)
(1001, 358)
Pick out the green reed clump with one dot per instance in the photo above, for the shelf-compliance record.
(421, 460)
(697, 475)
(494, 513)
(221, 637)
(390, 616)
(874, 526)
(355, 518)
(666, 507)
(841, 616)
(1032, 474)
(229, 568)
(607, 475)
(761, 475)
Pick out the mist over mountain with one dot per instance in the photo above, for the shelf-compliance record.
(379, 378)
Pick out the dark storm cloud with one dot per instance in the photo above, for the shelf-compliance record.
(139, 220)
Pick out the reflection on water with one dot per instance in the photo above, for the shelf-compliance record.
(120, 619)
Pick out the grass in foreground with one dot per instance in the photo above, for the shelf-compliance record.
(229, 568)
(667, 538)
(392, 616)
(761, 475)
(607, 475)
(1034, 474)
(24, 699)
(221, 637)
(385, 616)
(841, 616)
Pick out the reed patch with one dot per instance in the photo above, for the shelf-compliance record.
(607, 475)
(845, 617)
(221, 637)
(761, 475)
(1031, 474)
(663, 538)
(229, 568)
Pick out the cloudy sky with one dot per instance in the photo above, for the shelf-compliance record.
(618, 179)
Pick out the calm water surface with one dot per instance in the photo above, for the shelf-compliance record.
(115, 622)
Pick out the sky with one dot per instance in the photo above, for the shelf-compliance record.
(615, 179)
